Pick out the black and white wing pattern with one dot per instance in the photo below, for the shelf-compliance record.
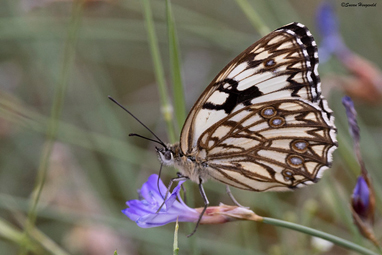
(262, 124)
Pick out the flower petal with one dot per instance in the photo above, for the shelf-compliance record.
(172, 197)
(326, 19)
(361, 197)
(144, 212)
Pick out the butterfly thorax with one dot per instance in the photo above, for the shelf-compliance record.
(189, 165)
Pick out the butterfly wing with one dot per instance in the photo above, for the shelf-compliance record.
(281, 67)
(275, 145)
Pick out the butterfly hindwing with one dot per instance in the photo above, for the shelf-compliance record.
(277, 145)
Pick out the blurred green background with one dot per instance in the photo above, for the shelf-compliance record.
(94, 167)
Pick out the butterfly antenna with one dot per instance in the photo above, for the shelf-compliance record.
(146, 138)
(132, 115)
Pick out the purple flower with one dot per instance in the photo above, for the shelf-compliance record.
(363, 206)
(361, 198)
(366, 78)
(351, 114)
(327, 25)
(144, 211)
(327, 22)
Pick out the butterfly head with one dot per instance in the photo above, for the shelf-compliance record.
(165, 155)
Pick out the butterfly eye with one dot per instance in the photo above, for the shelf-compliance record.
(167, 155)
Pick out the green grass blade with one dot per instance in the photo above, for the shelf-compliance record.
(52, 129)
(159, 72)
(179, 98)
(253, 17)
(175, 62)
(313, 232)
(8, 232)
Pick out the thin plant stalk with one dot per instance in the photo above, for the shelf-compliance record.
(313, 232)
(167, 109)
(52, 129)
(178, 99)
(175, 245)
(176, 68)
(253, 17)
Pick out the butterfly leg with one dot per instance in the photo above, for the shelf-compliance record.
(159, 175)
(177, 179)
(206, 203)
(183, 188)
(228, 190)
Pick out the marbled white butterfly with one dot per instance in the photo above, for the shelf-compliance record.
(262, 123)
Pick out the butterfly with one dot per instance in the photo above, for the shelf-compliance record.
(262, 123)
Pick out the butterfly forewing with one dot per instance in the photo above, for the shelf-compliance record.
(262, 123)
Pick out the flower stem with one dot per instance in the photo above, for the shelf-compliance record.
(313, 232)
(175, 246)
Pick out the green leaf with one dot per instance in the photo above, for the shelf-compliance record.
(176, 75)
(55, 114)
(159, 71)
(253, 17)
